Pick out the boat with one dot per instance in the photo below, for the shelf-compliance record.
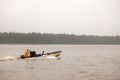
(50, 54)
(54, 54)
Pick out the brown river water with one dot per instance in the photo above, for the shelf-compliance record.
(77, 62)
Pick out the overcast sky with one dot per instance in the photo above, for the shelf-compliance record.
(90, 17)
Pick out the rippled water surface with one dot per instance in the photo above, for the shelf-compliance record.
(77, 62)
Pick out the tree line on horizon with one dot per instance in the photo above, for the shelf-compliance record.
(45, 38)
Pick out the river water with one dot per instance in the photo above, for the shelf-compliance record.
(77, 62)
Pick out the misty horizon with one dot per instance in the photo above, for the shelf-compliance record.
(58, 34)
(79, 17)
(38, 38)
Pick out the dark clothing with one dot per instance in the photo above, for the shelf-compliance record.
(41, 54)
(33, 54)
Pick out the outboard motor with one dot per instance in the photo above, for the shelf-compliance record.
(22, 57)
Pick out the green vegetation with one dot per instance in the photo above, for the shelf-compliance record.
(38, 38)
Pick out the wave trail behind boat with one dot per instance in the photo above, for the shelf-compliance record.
(6, 58)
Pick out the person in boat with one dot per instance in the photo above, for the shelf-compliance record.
(41, 53)
(27, 53)
(33, 54)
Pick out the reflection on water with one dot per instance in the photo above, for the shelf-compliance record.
(77, 62)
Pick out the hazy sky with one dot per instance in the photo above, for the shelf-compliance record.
(90, 17)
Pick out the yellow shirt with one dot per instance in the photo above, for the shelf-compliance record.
(27, 54)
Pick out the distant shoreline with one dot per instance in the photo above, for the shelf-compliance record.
(45, 38)
(50, 44)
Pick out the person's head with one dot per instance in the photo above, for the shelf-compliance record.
(28, 50)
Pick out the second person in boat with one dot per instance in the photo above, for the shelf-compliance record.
(41, 54)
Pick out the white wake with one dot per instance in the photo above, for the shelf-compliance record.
(5, 58)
